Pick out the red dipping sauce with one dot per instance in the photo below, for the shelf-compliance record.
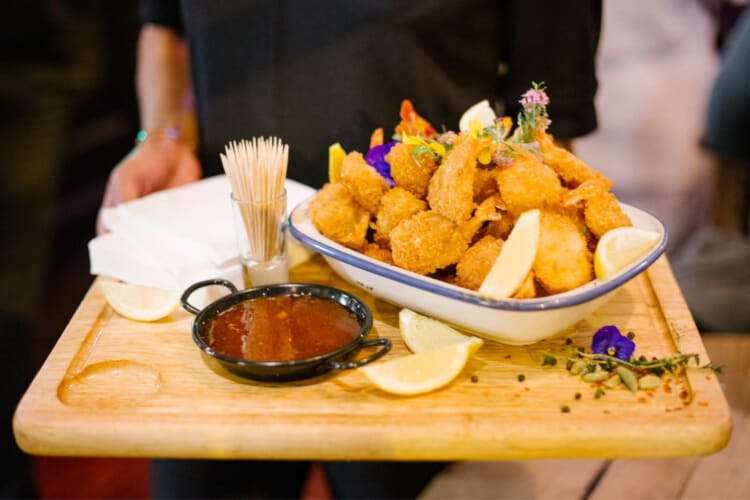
(285, 328)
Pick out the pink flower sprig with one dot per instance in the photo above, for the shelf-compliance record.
(534, 114)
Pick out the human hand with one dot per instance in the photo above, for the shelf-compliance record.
(152, 166)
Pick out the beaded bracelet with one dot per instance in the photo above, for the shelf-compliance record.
(156, 133)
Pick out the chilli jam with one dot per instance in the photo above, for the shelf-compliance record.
(281, 328)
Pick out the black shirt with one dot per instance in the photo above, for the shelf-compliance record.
(315, 73)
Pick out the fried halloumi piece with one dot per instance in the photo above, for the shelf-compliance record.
(603, 213)
(485, 211)
(335, 213)
(396, 205)
(377, 252)
(527, 184)
(571, 169)
(426, 242)
(527, 290)
(601, 209)
(451, 189)
(485, 184)
(477, 261)
(563, 260)
(364, 182)
(412, 174)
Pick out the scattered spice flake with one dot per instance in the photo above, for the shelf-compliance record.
(667, 388)
(642, 399)
(508, 356)
(684, 394)
(703, 404)
(568, 341)
(565, 409)
(577, 396)
(521, 377)
(606, 412)
(526, 388)
(650, 394)
(474, 379)
(690, 415)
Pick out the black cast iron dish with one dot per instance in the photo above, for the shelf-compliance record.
(278, 371)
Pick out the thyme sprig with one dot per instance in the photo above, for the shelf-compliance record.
(643, 365)
(611, 363)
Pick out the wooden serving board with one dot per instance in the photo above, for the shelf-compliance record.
(114, 387)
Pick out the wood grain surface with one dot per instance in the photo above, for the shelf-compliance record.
(114, 387)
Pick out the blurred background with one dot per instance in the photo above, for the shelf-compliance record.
(69, 115)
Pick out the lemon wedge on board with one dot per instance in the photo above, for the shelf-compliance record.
(620, 247)
(515, 259)
(140, 303)
(421, 372)
(421, 333)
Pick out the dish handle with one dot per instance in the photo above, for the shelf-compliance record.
(385, 346)
(195, 286)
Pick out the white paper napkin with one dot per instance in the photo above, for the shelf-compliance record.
(173, 238)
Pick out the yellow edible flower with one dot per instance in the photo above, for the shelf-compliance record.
(414, 140)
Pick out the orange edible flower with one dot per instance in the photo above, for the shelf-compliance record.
(413, 124)
(376, 139)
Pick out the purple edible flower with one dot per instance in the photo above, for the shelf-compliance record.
(376, 158)
(608, 340)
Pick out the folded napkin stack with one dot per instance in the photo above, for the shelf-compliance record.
(173, 238)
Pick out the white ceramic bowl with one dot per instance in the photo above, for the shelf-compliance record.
(510, 321)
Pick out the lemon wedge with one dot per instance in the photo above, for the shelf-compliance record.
(515, 259)
(421, 333)
(481, 111)
(336, 155)
(422, 372)
(620, 247)
(140, 303)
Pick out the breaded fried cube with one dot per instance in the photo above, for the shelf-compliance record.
(477, 262)
(563, 260)
(451, 189)
(337, 216)
(426, 242)
(396, 205)
(412, 174)
(365, 184)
